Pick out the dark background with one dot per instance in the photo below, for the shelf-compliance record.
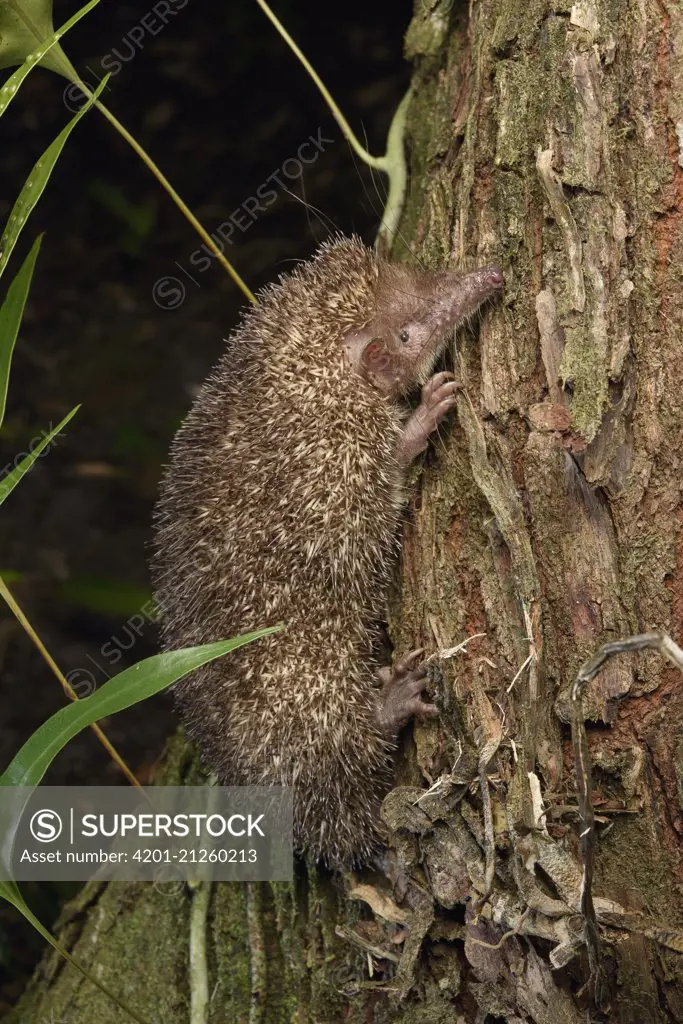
(220, 103)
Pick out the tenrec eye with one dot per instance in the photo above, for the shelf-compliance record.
(403, 336)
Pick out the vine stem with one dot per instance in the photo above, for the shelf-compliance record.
(66, 686)
(378, 163)
(199, 976)
(257, 952)
(393, 163)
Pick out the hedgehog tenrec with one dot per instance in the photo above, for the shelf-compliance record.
(281, 504)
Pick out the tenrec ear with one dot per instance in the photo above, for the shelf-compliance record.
(376, 357)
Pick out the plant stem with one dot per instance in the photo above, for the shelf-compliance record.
(68, 689)
(68, 70)
(378, 163)
(182, 206)
(199, 976)
(257, 953)
(397, 171)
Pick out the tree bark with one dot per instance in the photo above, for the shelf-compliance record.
(546, 519)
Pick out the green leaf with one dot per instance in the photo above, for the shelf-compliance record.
(9, 482)
(10, 892)
(41, 52)
(127, 688)
(11, 313)
(36, 182)
(23, 23)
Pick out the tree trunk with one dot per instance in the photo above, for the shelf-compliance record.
(546, 520)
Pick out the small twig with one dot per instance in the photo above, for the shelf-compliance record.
(344, 932)
(489, 836)
(533, 634)
(519, 672)
(656, 641)
(503, 938)
(449, 652)
(443, 781)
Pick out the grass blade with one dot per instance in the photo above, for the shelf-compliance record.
(9, 482)
(43, 50)
(129, 687)
(36, 182)
(11, 312)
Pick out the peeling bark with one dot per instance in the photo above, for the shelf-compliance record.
(545, 138)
